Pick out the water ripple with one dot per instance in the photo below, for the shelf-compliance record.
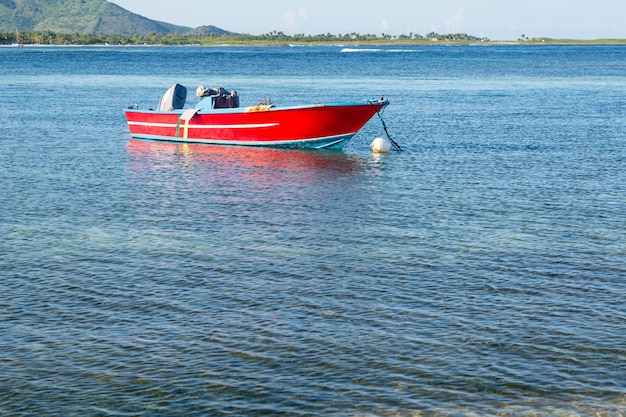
(479, 272)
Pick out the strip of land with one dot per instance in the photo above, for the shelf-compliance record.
(279, 39)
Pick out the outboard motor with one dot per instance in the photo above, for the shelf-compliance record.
(174, 98)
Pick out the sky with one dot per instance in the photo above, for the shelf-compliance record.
(494, 19)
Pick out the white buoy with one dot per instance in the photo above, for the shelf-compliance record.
(380, 145)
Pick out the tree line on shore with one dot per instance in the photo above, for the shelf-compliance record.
(191, 38)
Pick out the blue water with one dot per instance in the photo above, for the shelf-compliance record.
(482, 271)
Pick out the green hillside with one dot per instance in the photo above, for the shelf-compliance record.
(80, 16)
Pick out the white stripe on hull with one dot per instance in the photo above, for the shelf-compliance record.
(173, 125)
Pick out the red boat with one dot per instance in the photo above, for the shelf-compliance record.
(218, 119)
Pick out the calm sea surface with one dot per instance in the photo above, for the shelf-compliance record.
(480, 272)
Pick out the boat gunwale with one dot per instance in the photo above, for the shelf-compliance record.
(372, 102)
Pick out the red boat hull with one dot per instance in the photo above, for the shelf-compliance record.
(327, 126)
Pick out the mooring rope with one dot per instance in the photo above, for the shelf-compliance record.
(395, 145)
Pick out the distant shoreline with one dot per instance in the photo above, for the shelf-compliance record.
(617, 42)
(280, 39)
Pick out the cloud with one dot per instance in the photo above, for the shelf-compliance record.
(456, 20)
(293, 19)
(290, 19)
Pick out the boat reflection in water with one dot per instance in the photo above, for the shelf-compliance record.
(239, 163)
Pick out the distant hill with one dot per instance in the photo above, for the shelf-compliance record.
(210, 30)
(84, 16)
